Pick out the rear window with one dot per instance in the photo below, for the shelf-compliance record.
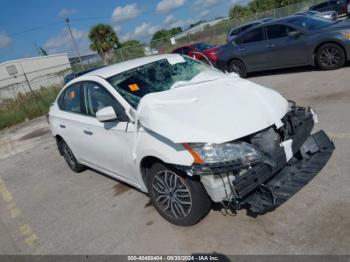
(251, 36)
(202, 46)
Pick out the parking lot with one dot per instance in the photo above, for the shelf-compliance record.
(47, 209)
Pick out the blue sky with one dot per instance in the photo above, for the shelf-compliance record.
(26, 23)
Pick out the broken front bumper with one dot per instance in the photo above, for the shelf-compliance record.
(264, 186)
(315, 153)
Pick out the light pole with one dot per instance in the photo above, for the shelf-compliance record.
(74, 43)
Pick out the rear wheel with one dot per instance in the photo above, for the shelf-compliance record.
(238, 67)
(330, 56)
(70, 158)
(178, 198)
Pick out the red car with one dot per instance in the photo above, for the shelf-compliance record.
(197, 51)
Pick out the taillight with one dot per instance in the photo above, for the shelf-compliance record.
(214, 54)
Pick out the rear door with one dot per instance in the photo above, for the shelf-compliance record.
(283, 50)
(69, 122)
(251, 48)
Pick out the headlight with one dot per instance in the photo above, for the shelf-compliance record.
(235, 151)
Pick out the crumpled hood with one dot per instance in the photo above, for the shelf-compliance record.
(214, 111)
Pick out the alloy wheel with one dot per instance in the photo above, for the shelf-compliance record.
(238, 67)
(171, 194)
(330, 56)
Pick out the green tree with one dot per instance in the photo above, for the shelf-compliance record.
(103, 40)
(132, 49)
(166, 33)
(257, 6)
(162, 36)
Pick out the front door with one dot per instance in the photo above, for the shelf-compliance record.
(107, 146)
(283, 50)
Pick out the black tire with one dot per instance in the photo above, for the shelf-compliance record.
(330, 56)
(70, 158)
(178, 198)
(238, 67)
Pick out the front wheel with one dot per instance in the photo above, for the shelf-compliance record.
(181, 200)
(238, 67)
(330, 56)
(72, 162)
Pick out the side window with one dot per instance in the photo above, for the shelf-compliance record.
(244, 28)
(252, 36)
(97, 97)
(277, 31)
(235, 32)
(70, 99)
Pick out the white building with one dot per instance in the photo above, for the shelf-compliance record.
(40, 71)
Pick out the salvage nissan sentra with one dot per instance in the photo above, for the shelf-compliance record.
(188, 135)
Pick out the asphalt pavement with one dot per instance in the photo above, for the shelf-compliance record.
(47, 209)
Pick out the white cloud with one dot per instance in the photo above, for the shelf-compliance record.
(168, 5)
(141, 32)
(117, 28)
(206, 3)
(67, 12)
(122, 13)
(205, 13)
(5, 40)
(62, 43)
(169, 19)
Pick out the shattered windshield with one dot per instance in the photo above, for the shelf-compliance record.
(157, 76)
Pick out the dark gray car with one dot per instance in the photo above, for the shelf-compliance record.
(235, 31)
(288, 42)
(339, 6)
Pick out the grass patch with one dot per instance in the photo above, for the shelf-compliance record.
(27, 106)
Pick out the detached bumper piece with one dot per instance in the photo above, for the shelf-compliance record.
(314, 154)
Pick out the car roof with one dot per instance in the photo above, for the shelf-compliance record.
(277, 21)
(189, 45)
(260, 21)
(114, 69)
(272, 22)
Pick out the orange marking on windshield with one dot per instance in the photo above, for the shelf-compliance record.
(134, 87)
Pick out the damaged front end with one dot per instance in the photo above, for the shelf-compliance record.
(292, 158)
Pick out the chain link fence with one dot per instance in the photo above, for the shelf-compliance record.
(30, 96)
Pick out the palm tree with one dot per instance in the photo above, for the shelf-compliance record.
(103, 40)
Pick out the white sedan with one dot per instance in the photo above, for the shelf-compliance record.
(188, 135)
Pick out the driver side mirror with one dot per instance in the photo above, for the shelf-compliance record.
(106, 114)
(295, 34)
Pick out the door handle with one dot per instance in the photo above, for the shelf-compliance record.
(88, 132)
(62, 126)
